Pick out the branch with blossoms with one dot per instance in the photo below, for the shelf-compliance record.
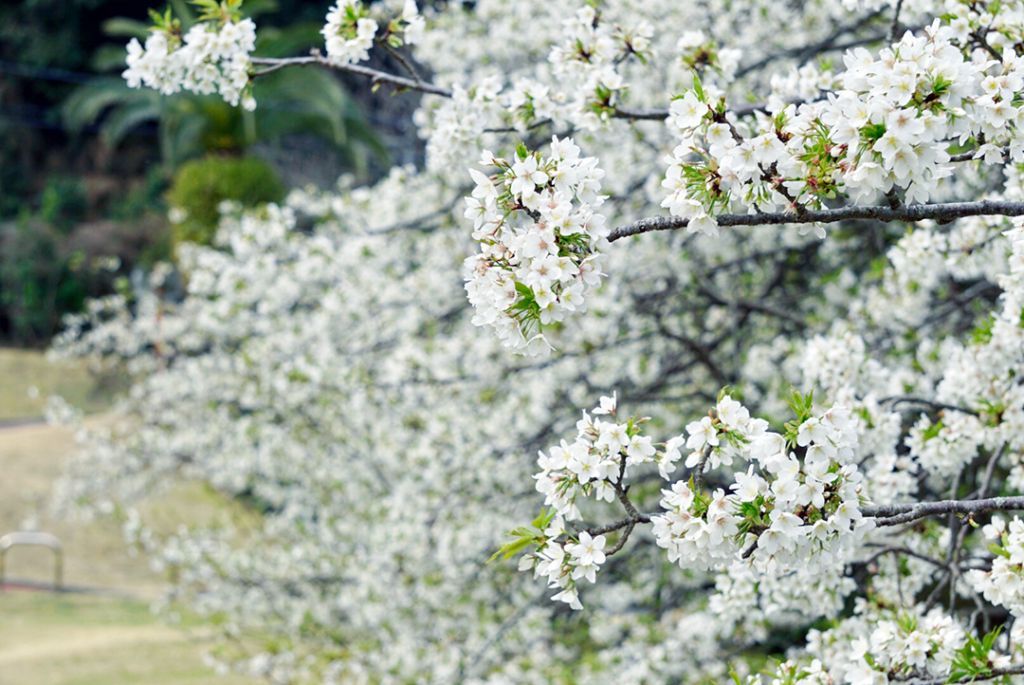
(800, 495)
(802, 508)
(870, 136)
(799, 157)
(215, 54)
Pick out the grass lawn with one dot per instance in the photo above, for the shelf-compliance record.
(74, 639)
(22, 370)
(48, 639)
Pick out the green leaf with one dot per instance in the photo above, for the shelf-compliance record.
(524, 536)
(982, 332)
(872, 132)
(802, 405)
(972, 660)
(698, 87)
(932, 431)
(122, 27)
(998, 551)
(511, 549)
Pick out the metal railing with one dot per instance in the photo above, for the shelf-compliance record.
(34, 539)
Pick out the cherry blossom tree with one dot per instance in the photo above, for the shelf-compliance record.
(773, 245)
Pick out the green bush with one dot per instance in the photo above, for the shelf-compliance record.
(201, 185)
(63, 202)
(40, 280)
(141, 199)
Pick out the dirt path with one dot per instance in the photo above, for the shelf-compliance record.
(18, 423)
(71, 642)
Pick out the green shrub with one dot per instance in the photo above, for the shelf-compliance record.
(40, 280)
(141, 198)
(201, 185)
(63, 202)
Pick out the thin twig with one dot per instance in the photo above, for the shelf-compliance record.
(990, 469)
(894, 33)
(901, 550)
(826, 44)
(908, 399)
(375, 75)
(404, 61)
(659, 114)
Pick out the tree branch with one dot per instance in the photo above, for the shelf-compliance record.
(751, 306)
(895, 514)
(894, 32)
(660, 114)
(941, 212)
(618, 525)
(908, 399)
(375, 75)
(993, 674)
(826, 44)
(898, 551)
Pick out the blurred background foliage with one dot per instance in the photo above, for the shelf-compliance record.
(89, 168)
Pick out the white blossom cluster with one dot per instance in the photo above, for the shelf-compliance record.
(587, 61)
(595, 464)
(565, 563)
(597, 460)
(540, 241)
(1004, 583)
(806, 506)
(578, 85)
(349, 32)
(888, 646)
(351, 29)
(797, 509)
(886, 126)
(212, 57)
(945, 447)
(907, 644)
